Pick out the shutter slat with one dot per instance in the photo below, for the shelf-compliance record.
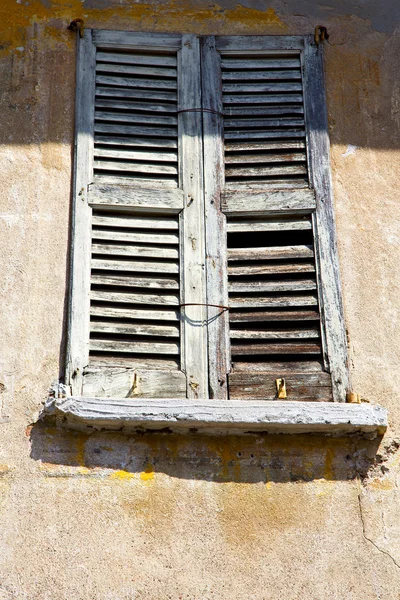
(135, 130)
(299, 387)
(133, 167)
(139, 251)
(283, 348)
(122, 154)
(298, 285)
(137, 282)
(136, 266)
(136, 222)
(276, 315)
(266, 133)
(142, 95)
(125, 117)
(273, 252)
(132, 69)
(139, 298)
(136, 59)
(281, 225)
(135, 106)
(263, 111)
(269, 301)
(250, 270)
(136, 141)
(260, 63)
(233, 159)
(134, 347)
(134, 329)
(264, 145)
(262, 98)
(248, 75)
(136, 83)
(238, 334)
(116, 312)
(263, 171)
(252, 123)
(133, 236)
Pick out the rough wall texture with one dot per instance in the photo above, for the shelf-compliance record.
(158, 516)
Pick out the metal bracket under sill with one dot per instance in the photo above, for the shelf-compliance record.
(219, 416)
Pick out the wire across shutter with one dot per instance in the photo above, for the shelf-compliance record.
(136, 126)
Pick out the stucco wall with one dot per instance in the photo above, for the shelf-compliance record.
(114, 517)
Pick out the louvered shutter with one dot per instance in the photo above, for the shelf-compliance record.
(138, 215)
(268, 196)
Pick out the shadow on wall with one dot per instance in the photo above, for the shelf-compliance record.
(242, 459)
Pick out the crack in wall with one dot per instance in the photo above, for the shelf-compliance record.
(369, 539)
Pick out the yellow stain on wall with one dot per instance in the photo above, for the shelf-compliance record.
(171, 16)
(148, 473)
(328, 471)
(122, 475)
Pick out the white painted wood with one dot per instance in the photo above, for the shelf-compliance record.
(243, 159)
(126, 117)
(245, 334)
(134, 168)
(135, 347)
(260, 75)
(128, 142)
(118, 104)
(150, 299)
(123, 154)
(141, 362)
(134, 130)
(334, 338)
(271, 252)
(121, 81)
(135, 281)
(295, 285)
(272, 301)
(132, 69)
(146, 200)
(138, 222)
(266, 122)
(268, 202)
(265, 145)
(263, 111)
(79, 302)
(259, 43)
(192, 260)
(251, 88)
(136, 59)
(217, 292)
(136, 266)
(136, 251)
(262, 98)
(220, 416)
(250, 270)
(134, 329)
(231, 134)
(129, 40)
(149, 314)
(120, 382)
(270, 171)
(260, 63)
(281, 225)
(134, 236)
(141, 94)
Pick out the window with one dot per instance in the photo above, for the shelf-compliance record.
(204, 260)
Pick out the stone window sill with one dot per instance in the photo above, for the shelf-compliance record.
(219, 416)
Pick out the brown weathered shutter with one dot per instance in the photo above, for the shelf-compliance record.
(142, 161)
(266, 205)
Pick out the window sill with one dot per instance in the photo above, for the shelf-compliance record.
(219, 416)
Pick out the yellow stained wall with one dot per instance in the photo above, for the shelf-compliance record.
(156, 516)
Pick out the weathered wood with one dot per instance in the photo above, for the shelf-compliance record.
(272, 301)
(135, 266)
(261, 87)
(136, 141)
(136, 251)
(120, 81)
(267, 185)
(143, 362)
(149, 299)
(282, 315)
(264, 145)
(134, 130)
(217, 293)
(79, 302)
(267, 349)
(126, 117)
(192, 258)
(264, 170)
(146, 200)
(136, 59)
(132, 167)
(118, 104)
(133, 383)
(250, 269)
(270, 225)
(263, 111)
(131, 69)
(266, 122)
(246, 45)
(141, 94)
(271, 253)
(262, 98)
(294, 285)
(250, 134)
(149, 314)
(219, 416)
(301, 387)
(260, 63)
(251, 75)
(134, 347)
(264, 158)
(134, 236)
(133, 329)
(136, 221)
(334, 338)
(264, 202)
(129, 281)
(280, 368)
(136, 155)
(284, 334)
(128, 40)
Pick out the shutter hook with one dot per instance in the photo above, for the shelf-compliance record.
(77, 25)
(320, 34)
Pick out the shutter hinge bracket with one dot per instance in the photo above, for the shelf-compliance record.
(320, 34)
(77, 25)
(281, 388)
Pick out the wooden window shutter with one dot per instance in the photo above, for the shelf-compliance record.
(271, 251)
(138, 219)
